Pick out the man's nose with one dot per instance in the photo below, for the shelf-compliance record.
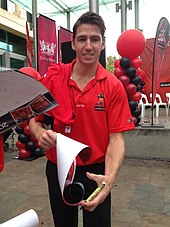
(88, 44)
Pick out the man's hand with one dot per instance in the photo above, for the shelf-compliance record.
(46, 138)
(100, 197)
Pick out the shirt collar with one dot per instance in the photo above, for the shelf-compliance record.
(100, 73)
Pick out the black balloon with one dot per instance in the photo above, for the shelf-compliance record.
(139, 88)
(142, 83)
(136, 80)
(131, 72)
(38, 152)
(124, 62)
(137, 120)
(18, 129)
(137, 112)
(30, 145)
(133, 105)
(23, 138)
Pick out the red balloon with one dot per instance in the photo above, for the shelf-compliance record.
(137, 71)
(135, 97)
(20, 145)
(117, 63)
(26, 130)
(30, 72)
(131, 43)
(23, 124)
(136, 63)
(118, 72)
(130, 89)
(24, 153)
(124, 79)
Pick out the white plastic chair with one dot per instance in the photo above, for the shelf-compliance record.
(168, 99)
(158, 103)
(143, 103)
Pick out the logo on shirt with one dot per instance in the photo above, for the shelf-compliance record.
(100, 105)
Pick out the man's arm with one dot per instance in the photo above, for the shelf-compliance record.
(115, 154)
(46, 138)
(114, 158)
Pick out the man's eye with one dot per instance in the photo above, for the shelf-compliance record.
(95, 39)
(81, 39)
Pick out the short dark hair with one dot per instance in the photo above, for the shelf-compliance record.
(90, 18)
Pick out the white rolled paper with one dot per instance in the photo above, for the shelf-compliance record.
(26, 219)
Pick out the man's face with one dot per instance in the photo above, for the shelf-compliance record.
(88, 43)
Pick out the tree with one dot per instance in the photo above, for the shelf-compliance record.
(110, 63)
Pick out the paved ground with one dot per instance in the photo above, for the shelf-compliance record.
(140, 198)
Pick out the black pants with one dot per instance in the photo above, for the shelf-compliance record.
(67, 216)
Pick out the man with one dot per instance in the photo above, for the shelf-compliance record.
(93, 109)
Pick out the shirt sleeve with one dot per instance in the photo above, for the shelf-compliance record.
(119, 114)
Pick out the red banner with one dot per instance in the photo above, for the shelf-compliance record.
(64, 35)
(164, 78)
(29, 46)
(46, 43)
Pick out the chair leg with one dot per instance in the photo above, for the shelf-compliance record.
(143, 112)
(166, 111)
(157, 111)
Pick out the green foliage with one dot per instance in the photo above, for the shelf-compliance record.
(110, 63)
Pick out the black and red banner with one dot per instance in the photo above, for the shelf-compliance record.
(160, 45)
(64, 40)
(46, 43)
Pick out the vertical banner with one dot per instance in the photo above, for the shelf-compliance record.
(29, 46)
(160, 45)
(64, 36)
(46, 43)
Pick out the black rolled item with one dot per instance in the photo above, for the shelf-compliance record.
(74, 193)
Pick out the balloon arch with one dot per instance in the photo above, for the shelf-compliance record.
(130, 45)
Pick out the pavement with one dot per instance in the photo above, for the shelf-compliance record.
(140, 197)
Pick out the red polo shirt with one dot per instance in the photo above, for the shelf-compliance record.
(100, 109)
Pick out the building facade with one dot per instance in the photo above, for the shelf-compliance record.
(13, 54)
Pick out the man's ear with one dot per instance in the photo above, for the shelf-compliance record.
(72, 45)
(103, 45)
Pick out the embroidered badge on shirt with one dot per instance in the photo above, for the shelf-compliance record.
(100, 105)
(68, 129)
